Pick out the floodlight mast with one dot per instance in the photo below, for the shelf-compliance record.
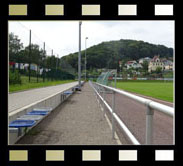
(85, 57)
(79, 56)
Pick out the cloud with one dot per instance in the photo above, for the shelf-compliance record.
(62, 36)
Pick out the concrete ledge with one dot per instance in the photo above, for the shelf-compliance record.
(14, 134)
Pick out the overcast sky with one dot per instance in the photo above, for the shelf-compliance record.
(63, 36)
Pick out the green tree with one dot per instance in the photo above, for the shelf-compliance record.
(108, 54)
(145, 66)
(158, 70)
(15, 46)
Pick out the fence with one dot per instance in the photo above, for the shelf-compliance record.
(29, 53)
(151, 106)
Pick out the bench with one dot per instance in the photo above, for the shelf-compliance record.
(21, 123)
(68, 92)
(38, 112)
(49, 109)
(30, 117)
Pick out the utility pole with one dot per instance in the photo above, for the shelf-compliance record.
(29, 55)
(37, 71)
(79, 56)
(51, 69)
(56, 73)
(57, 63)
(85, 57)
(44, 62)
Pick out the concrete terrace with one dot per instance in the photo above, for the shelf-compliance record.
(77, 121)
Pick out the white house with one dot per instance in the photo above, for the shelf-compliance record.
(33, 67)
(41, 71)
(142, 60)
(133, 64)
(21, 66)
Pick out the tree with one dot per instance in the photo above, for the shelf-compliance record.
(15, 46)
(108, 54)
(145, 66)
(158, 70)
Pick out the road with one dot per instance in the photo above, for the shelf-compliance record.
(20, 99)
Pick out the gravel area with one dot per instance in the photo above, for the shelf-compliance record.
(77, 121)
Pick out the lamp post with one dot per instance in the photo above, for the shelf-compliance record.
(85, 57)
(79, 56)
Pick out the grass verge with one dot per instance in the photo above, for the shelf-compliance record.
(156, 89)
(33, 84)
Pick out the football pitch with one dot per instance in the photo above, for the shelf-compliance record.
(156, 89)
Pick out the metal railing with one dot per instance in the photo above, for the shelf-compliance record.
(151, 106)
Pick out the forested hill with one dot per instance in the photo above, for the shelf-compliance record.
(108, 54)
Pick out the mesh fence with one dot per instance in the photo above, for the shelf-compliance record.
(28, 49)
(106, 78)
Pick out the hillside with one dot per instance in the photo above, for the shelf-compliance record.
(108, 54)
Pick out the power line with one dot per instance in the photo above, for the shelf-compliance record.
(35, 35)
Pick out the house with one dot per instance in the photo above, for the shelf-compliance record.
(41, 71)
(19, 65)
(16, 65)
(47, 70)
(168, 65)
(26, 66)
(133, 64)
(146, 59)
(155, 63)
(33, 67)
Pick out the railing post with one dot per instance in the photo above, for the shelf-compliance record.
(113, 110)
(149, 126)
(96, 87)
(103, 101)
(98, 90)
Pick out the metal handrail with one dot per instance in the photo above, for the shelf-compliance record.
(151, 106)
(120, 122)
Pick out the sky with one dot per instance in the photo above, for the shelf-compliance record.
(63, 36)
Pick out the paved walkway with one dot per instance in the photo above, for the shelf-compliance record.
(21, 99)
(77, 121)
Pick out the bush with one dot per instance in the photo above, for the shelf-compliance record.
(14, 78)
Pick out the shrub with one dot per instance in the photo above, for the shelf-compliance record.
(14, 77)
